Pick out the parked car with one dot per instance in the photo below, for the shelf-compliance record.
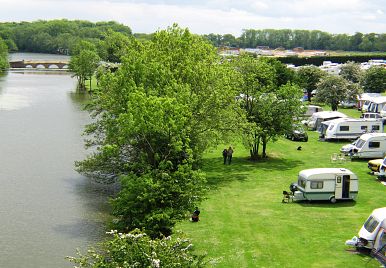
(297, 134)
(348, 104)
(375, 164)
(346, 149)
(371, 116)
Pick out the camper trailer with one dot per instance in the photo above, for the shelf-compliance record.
(349, 128)
(372, 235)
(369, 145)
(325, 184)
(317, 118)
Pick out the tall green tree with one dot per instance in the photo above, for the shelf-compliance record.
(170, 100)
(308, 77)
(84, 63)
(374, 80)
(270, 101)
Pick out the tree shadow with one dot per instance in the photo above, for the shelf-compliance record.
(220, 174)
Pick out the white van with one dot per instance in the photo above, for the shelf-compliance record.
(325, 184)
(350, 128)
(370, 145)
(317, 118)
(372, 235)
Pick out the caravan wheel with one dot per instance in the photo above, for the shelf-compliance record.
(333, 200)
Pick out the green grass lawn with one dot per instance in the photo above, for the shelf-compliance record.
(243, 222)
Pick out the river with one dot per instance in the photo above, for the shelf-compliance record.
(47, 209)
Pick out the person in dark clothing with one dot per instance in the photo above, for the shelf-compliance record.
(225, 155)
(230, 153)
(195, 215)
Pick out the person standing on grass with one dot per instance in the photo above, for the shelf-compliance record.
(229, 154)
(225, 155)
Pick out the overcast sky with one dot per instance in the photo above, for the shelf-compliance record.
(210, 16)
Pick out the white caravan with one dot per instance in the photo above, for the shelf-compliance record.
(325, 184)
(369, 145)
(350, 128)
(372, 235)
(317, 118)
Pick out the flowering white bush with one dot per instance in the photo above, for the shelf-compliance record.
(136, 249)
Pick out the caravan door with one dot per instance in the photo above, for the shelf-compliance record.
(346, 186)
(342, 186)
(338, 187)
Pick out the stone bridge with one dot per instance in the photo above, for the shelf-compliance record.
(40, 64)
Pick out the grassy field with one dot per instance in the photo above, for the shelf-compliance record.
(243, 222)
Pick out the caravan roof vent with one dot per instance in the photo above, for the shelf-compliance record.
(342, 169)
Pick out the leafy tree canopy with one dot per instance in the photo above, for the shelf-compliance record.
(333, 89)
(308, 77)
(351, 71)
(270, 100)
(374, 80)
(176, 74)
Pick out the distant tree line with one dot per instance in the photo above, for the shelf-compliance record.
(55, 36)
(61, 36)
(306, 39)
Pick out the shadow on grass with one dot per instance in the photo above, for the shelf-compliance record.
(241, 169)
(326, 203)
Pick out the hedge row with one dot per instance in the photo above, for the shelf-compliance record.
(318, 60)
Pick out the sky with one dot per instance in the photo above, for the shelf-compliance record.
(210, 16)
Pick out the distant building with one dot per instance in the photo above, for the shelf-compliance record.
(263, 47)
(298, 49)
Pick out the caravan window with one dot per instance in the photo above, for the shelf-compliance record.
(359, 143)
(344, 128)
(302, 182)
(364, 128)
(316, 185)
(374, 144)
(371, 224)
(376, 127)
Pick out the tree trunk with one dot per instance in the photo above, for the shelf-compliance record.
(264, 155)
(254, 151)
(309, 95)
(334, 106)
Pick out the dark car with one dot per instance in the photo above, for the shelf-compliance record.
(297, 134)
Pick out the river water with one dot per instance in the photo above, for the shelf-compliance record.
(47, 209)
